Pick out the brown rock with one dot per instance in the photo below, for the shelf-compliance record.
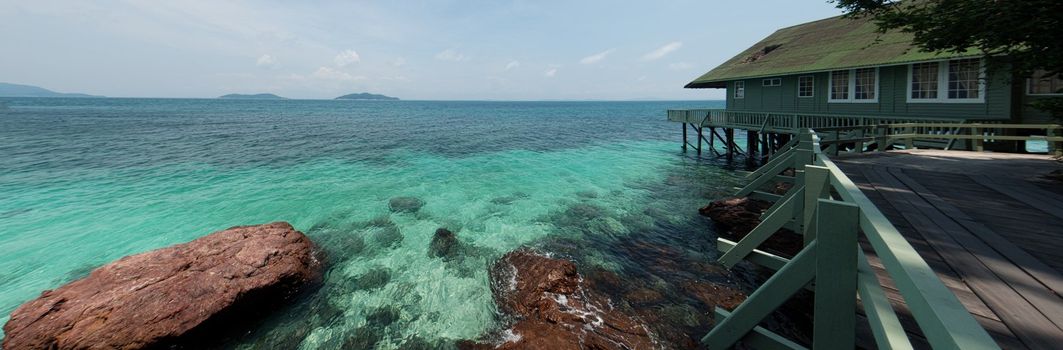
(554, 310)
(169, 295)
(735, 217)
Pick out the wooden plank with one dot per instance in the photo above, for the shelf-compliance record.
(760, 337)
(1024, 193)
(772, 223)
(1031, 278)
(948, 325)
(887, 329)
(835, 299)
(776, 290)
(1027, 322)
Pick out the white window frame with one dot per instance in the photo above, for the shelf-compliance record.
(743, 89)
(1029, 91)
(771, 82)
(852, 87)
(943, 85)
(813, 78)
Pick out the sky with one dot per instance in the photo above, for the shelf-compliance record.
(418, 50)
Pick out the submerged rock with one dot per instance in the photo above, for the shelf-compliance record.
(554, 310)
(444, 245)
(405, 204)
(175, 295)
(372, 279)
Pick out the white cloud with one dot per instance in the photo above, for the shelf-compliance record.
(326, 73)
(347, 57)
(399, 62)
(595, 58)
(266, 61)
(680, 66)
(512, 64)
(550, 73)
(451, 55)
(662, 51)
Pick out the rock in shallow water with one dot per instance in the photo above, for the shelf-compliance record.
(170, 295)
(405, 204)
(554, 310)
(444, 245)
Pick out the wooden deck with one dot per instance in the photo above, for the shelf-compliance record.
(989, 225)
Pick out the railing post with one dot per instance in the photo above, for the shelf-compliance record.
(860, 134)
(834, 324)
(909, 140)
(977, 141)
(1055, 147)
(817, 185)
(803, 155)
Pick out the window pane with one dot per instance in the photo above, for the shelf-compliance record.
(740, 89)
(839, 85)
(805, 86)
(1042, 83)
(963, 78)
(925, 80)
(865, 84)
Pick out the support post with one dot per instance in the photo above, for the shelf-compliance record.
(712, 139)
(834, 326)
(684, 137)
(752, 145)
(817, 186)
(909, 140)
(730, 134)
(699, 138)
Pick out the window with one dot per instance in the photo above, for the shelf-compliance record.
(771, 82)
(865, 84)
(740, 89)
(839, 82)
(924, 80)
(963, 78)
(1043, 84)
(806, 86)
(854, 85)
(953, 81)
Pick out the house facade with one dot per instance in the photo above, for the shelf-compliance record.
(845, 66)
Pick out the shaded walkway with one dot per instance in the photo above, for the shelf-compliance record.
(987, 223)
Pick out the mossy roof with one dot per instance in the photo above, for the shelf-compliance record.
(826, 44)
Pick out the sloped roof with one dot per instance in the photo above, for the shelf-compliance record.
(826, 44)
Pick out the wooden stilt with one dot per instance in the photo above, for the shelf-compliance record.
(684, 137)
(730, 135)
(712, 140)
(700, 138)
(752, 146)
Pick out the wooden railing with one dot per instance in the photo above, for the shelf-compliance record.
(910, 135)
(784, 122)
(828, 209)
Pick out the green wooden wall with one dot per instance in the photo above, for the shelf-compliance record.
(893, 82)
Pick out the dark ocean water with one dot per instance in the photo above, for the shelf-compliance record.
(86, 181)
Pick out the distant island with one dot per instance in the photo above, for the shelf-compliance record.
(366, 96)
(17, 90)
(252, 97)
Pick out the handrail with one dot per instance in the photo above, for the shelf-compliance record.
(830, 211)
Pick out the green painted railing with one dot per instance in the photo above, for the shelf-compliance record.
(830, 211)
(784, 122)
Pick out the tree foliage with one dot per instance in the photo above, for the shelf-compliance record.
(1020, 36)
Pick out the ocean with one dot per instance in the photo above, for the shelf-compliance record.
(86, 181)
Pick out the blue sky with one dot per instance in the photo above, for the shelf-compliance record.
(495, 50)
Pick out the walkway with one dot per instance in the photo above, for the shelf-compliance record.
(989, 224)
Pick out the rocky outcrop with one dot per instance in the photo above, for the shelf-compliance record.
(552, 308)
(175, 295)
(735, 217)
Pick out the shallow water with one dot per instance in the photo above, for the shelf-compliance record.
(86, 181)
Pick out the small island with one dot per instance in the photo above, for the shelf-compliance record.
(367, 96)
(252, 97)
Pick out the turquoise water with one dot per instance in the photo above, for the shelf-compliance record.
(86, 181)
